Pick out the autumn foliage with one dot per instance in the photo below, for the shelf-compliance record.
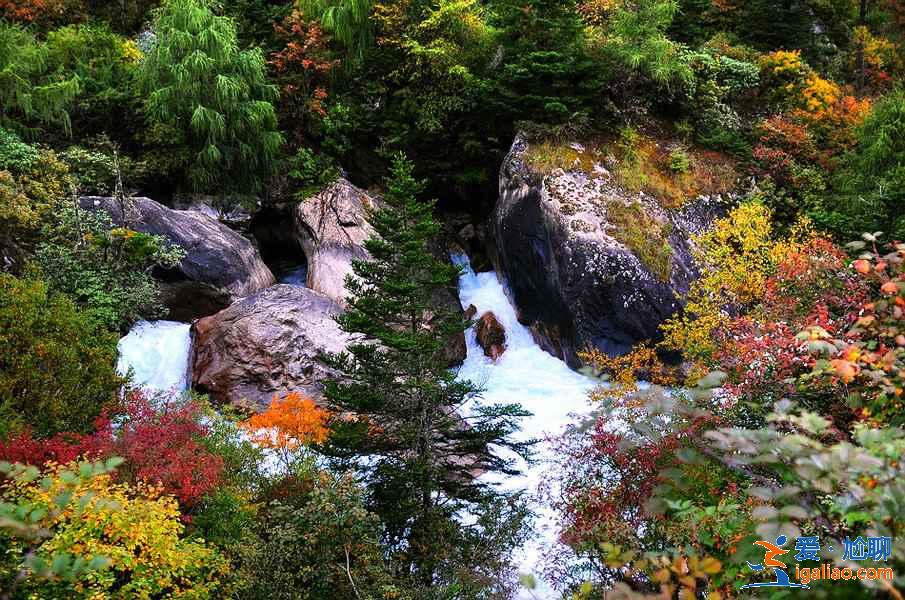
(162, 446)
(135, 527)
(290, 424)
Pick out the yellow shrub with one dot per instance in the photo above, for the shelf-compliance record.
(133, 526)
(736, 257)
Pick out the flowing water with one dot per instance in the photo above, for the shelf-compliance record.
(157, 354)
(542, 384)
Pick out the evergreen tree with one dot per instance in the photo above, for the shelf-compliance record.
(546, 74)
(31, 93)
(419, 435)
(200, 85)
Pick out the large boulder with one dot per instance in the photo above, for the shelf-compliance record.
(269, 343)
(331, 228)
(220, 265)
(589, 263)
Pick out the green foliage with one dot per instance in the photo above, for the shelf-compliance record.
(28, 200)
(98, 169)
(105, 65)
(410, 430)
(103, 268)
(347, 20)
(322, 545)
(57, 368)
(679, 162)
(15, 155)
(31, 91)
(310, 172)
(873, 180)
(637, 39)
(214, 95)
(547, 73)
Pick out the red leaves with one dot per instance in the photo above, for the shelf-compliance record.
(164, 446)
(161, 445)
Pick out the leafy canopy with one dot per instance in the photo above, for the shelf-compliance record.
(214, 95)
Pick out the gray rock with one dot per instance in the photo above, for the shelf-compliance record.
(269, 343)
(331, 228)
(574, 283)
(220, 265)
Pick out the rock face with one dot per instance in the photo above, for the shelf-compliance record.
(588, 263)
(220, 265)
(331, 228)
(266, 344)
(491, 335)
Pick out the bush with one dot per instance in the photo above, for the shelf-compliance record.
(97, 170)
(15, 155)
(103, 268)
(311, 172)
(57, 368)
(322, 547)
(133, 526)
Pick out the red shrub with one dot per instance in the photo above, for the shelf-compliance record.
(161, 445)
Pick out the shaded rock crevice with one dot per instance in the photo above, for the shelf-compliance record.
(589, 264)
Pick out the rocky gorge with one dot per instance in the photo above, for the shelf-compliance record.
(557, 240)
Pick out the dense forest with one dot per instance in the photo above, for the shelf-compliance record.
(694, 211)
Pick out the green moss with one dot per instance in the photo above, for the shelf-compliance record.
(646, 237)
(545, 157)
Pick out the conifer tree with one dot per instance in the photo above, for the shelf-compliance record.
(31, 93)
(419, 434)
(201, 85)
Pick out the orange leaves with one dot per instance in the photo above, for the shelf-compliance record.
(847, 371)
(862, 266)
(890, 288)
(289, 423)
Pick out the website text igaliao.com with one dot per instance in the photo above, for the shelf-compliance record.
(829, 571)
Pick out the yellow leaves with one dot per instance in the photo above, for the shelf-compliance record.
(623, 372)
(820, 94)
(131, 52)
(782, 62)
(736, 257)
(135, 527)
(289, 423)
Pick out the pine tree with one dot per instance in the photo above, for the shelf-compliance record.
(200, 84)
(419, 435)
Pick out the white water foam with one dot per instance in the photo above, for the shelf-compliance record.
(157, 354)
(542, 384)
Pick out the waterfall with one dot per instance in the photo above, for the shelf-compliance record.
(157, 354)
(542, 384)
